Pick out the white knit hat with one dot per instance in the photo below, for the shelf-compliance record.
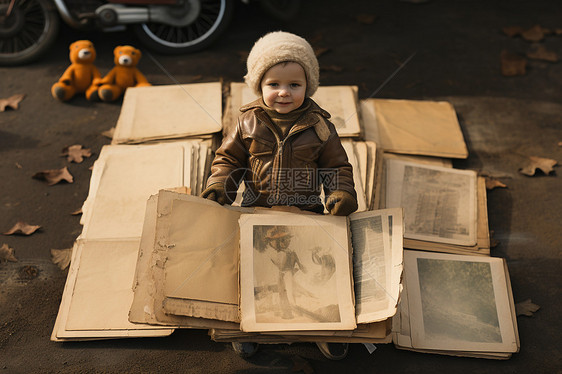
(276, 47)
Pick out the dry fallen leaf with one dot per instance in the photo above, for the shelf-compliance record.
(109, 133)
(7, 254)
(526, 308)
(61, 257)
(54, 176)
(12, 102)
(75, 153)
(512, 64)
(544, 164)
(22, 228)
(77, 212)
(512, 31)
(560, 144)
(541, 53)
(492, 183)
(366, 19)
(534, 34)
(300, 364)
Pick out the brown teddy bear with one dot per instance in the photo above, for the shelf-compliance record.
(80, 75)
(123, 75)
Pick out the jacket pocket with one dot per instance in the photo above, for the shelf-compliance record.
(261, 153)
(260, 147)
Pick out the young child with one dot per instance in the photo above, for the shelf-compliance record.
(284, 148)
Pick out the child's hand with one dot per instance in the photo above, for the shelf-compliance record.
(341, 203)
(215, 192)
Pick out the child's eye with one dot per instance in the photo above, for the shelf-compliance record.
(295, 85)
(273, 84)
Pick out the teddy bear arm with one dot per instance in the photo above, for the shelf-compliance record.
(140, 79)
(68, 76)
(109, 78)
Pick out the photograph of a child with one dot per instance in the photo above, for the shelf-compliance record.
(294, 275)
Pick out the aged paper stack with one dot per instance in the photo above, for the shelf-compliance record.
(98, 292)
(267, 275)
(150, 259)
(457, 302)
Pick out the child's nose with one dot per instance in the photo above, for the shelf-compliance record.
(284, 92)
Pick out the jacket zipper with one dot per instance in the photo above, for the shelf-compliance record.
(280, 144)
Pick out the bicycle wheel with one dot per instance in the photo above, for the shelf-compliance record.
(194, 26)
(27, 30)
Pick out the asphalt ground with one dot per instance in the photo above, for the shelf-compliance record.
(455, 49)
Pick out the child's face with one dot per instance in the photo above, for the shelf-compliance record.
(283, 87)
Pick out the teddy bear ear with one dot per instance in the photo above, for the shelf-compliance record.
(138, 52)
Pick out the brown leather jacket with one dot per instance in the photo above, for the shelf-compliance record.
(279, 171)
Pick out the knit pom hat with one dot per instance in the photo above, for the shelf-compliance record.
(276, 47)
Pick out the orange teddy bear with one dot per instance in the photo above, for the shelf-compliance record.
(80, 75)
(123, 75)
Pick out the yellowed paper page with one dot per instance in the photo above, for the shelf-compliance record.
(203, 252)
(414, 127)
(377, 261)
(129, 175)
(102, 294)
(170, 111)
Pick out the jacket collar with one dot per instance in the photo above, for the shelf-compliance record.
(308, 120)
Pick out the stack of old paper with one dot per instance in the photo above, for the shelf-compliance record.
(188, 274)
(340, 101)
(366, 159)
(98, 293)
(169, 112)
(414, 127)
(445, 209)
(458, 305)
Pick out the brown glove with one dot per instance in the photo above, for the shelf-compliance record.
(215, 192)
(341, 203)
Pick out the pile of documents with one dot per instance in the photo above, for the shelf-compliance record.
(153, 257)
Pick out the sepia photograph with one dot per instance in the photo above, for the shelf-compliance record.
(377, 262)
(458, 302)
(297, 275)
(439, 203)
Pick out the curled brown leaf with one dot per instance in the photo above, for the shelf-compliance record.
(526, 308)
(492, 183)
(54, 176)
(512, 64)
(77, 212)
(512, 31)
(546, 165)
(11, 102)
(61, 257)
(541, 53)
(109, 133)
(22, 228)
(7, 254)
(534, 34)
(75, 153)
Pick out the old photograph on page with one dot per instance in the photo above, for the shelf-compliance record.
(377, 263)
(439, 203)
(295, 273)
(458, 302)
